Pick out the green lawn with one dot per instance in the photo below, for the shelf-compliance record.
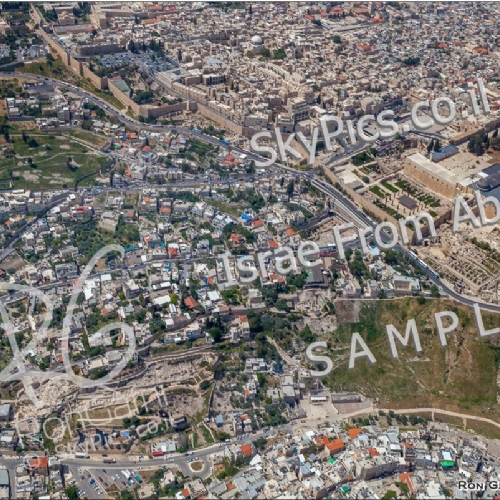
(97, 140)
(56, 70)
(390, 187)
(440, 379)
(51, 159)
(106, 95)
(59, 71)
(379, 192)
(232, 209)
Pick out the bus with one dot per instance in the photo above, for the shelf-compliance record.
(109, 461)
(81, 455)
(158, 453)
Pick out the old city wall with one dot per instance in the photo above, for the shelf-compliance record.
(76, 66)
(100, 83)
(124, 98)
(82, 69)
(157, 111)
(365, 203)
(433, 182)
(58, 49)
(217, 118)
(466, 136)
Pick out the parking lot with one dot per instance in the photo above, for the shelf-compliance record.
(81, 479)
(148, 60)
(93, 482)
(115, 61)
(151, 61)
(351, 407)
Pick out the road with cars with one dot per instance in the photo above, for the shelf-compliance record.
(341, 202)
(105, 473)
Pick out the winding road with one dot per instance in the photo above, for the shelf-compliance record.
(342, 204)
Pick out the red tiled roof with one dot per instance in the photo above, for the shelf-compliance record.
(39, 463)
(354, 433)
(406, 478)
(246, 449)
(274, 277)
(335, 446)
(190, 302)
(321, 440)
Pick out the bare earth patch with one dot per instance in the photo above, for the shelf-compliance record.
(30, 176)
(60, 179)
(196, 466)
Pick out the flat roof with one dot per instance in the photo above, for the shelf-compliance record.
(4, 410)
(491, 170)
(434, 168)
(408, 202)
(4, 477)
(438, 155)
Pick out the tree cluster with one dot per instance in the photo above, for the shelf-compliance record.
(478, 144)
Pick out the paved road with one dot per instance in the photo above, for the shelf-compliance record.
(341, 202)
(355, 211)
(95, 463)
(130, 462)
(463, 416)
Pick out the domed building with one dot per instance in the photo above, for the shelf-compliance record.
(256, 44)
(484, 184)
